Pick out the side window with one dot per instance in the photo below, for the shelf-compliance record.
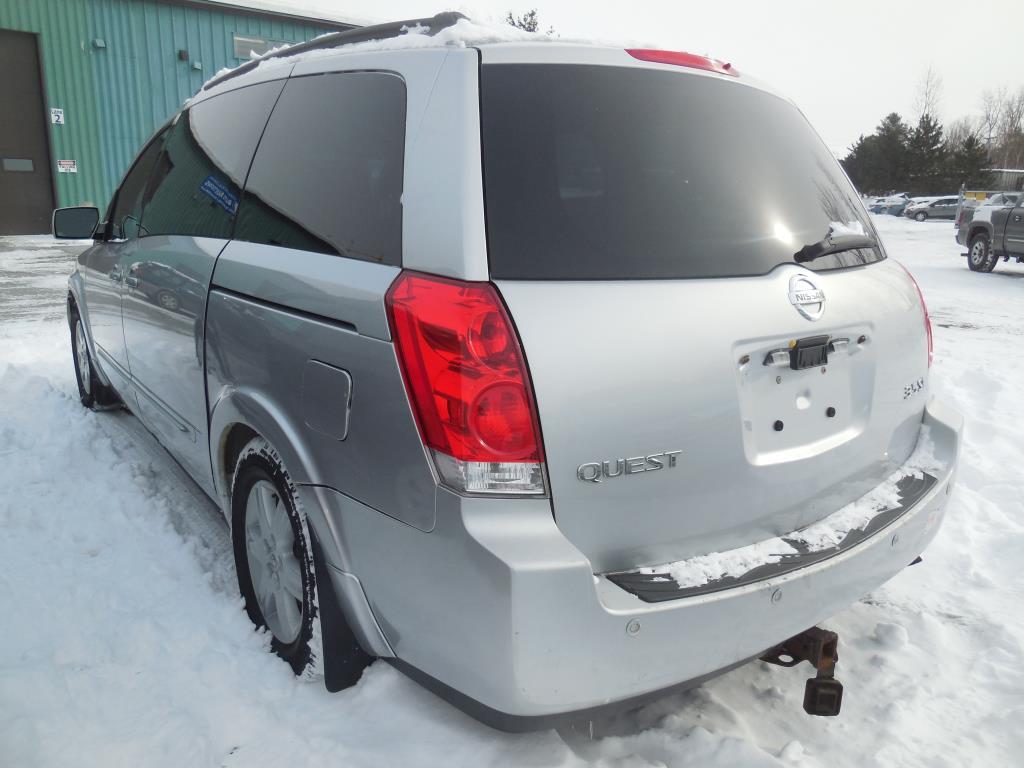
(126, 211)
(198, 178)
(328, 173)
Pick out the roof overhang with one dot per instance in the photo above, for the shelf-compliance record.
(281, 10)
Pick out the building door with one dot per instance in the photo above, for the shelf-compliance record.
(26, 181)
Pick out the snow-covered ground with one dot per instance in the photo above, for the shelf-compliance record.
(123, 642)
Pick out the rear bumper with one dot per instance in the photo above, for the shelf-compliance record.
(497, 612)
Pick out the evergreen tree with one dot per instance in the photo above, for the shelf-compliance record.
(891, 162)
(878, 163)
(967, 165)
(920, 161)
(926, 157)
(858, 163)
(528, 21)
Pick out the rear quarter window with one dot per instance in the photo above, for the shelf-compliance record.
(595, 172)
(197, 180)
(327, 176)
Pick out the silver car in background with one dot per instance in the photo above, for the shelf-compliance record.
(556, 375)
(933, 208)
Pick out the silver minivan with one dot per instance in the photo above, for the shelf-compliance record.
(556, 375)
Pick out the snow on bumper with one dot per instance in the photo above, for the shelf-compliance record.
(828, 537)
(503, 616)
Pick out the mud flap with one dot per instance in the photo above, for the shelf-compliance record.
(344, 658)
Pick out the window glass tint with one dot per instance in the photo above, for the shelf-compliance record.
(126, 212)
(198, 179)
(328, 173)
(612, 173)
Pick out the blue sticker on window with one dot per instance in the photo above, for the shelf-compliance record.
(221, 194)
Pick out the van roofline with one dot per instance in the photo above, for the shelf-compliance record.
(496, 44)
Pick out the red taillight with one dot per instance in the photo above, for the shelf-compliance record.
(466, 376)
(682, 59)
(927, 317)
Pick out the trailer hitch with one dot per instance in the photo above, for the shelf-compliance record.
(823, 694)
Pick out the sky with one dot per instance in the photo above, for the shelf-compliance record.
(845, 64)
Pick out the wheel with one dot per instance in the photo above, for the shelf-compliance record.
(91, 391)
(979, 256)
(168, 301)
(920, 216)
(274, 562)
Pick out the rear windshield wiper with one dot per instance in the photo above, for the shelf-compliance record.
(833, 244)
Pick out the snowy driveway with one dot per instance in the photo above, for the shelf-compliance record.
(123, 642)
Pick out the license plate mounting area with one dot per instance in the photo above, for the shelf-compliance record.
(809, 352)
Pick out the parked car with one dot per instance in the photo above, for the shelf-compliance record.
(386, 237)
(968, 205)
(937, 208)
(995, 230)
(166, 287)
(1002, 199)
(897, 208)
(971, 200)
(887, 204)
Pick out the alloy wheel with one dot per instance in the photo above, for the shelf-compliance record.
(978, 253)
(82, 356)
(275, 571)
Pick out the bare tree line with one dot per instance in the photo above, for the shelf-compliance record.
(999, 125)
(927, 157)
(929, 94)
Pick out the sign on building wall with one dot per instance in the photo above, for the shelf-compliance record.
(57, 116)
(67, 166)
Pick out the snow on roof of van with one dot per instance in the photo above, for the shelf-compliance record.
(462, 34)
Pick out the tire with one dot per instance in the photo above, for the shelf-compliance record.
(92, 392)
(979, 254)
(167, 300)
(920, 216)
(271, 543)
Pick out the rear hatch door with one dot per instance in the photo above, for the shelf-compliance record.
(642, 229)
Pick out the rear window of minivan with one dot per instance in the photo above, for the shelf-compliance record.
(598, 172)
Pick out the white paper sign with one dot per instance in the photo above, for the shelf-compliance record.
(67, 166)
(57, 116)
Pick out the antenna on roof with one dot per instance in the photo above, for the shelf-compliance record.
(433, 25)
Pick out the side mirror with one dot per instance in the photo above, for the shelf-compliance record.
(76, 223)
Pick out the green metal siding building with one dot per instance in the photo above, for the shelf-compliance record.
(118, 69)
